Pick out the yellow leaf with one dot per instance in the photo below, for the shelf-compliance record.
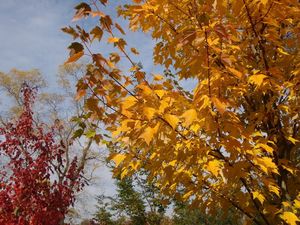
(257, 134)
(290, 218)
(160, 93)
(135, 164)
(259, 196)
(297, 203)
(113, 40)
(118, 159)
(187, 195)
(257, 79)
(128, 102)
(124, 173)
(134, 68)
(293, 140)
(148, 133)
(146, 90)
(153, 156)
(289, 169)
(274, 189)
(265, 2)
(206, 102)
(266, 164)
(265, 147)
(165, 103)
(172, 120)
(74, 57)
(280, 50)
(214, 167)
(189, 117)
(158, 77)
(149, 112)
(173, 163)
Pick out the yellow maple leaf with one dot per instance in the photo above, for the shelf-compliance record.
(265, 147)
(135, 164)
(259, 196)
(257, 79)
(214, 167)
(149, 112)
(290, 218)
(293, 140)
(189, 117)
(266, 164)
(297, 203)
(172, 120)
(118, 159)
(160, 93)
(146, 90)
(128, 102)
(274, 189)
(149, 133)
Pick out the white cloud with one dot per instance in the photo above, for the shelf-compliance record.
(30, 34)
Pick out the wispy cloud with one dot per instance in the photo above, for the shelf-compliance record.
(30, 34)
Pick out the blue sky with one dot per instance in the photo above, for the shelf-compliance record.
(30, 34)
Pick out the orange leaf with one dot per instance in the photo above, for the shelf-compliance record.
(113, 40)
(74, 57)
(134, 51)
(235, 72)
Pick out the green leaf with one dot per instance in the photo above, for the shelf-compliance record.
(78, 133)
(90, 134)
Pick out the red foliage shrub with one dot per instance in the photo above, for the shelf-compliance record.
(30, 191)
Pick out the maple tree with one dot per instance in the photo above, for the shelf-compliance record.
(231, 142)
(30, 193)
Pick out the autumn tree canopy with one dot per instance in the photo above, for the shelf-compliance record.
(231, 142)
